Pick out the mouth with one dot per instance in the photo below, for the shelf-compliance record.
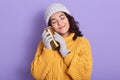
(61, 27)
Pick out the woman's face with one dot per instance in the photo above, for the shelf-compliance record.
(60, 23)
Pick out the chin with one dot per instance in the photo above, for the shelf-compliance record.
(63, 33)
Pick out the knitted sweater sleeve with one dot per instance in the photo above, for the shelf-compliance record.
(81, 65)
(41, 63)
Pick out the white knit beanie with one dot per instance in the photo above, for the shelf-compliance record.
(53, 8)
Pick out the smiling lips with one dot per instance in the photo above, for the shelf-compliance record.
(61, 27)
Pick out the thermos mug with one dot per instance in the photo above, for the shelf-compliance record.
(54, 44)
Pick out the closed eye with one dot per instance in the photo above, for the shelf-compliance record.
(62, 18)
(53, 21)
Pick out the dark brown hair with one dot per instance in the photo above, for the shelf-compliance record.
(74, 28)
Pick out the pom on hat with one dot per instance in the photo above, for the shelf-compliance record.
(53, 8)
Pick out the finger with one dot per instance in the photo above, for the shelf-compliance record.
(46, 34)
(57, 38)
(49, 38)
(43, 33)
(57, 34)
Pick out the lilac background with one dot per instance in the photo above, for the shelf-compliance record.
(21, 24)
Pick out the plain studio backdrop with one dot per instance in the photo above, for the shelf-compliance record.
(22, 22)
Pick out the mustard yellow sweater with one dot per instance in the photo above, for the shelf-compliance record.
(77, 65)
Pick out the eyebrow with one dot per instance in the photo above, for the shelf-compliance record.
(62, 15)
(59, 16)
(53, 19)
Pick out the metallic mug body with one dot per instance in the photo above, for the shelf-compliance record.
(54, 44)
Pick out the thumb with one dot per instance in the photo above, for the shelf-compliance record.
(57, 34)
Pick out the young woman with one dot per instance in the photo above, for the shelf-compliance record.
(73, 59)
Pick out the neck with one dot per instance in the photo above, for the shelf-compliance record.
(65, 35)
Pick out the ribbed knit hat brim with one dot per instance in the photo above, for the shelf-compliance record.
(53, 8)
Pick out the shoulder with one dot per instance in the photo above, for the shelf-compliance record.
(83, 46)
(83, 43)
(83, 40)
(40, 45)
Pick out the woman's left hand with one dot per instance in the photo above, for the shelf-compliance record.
(63, 49)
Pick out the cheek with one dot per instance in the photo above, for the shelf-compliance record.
(66, 22)
(55, 28)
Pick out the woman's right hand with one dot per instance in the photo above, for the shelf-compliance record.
(47, 38)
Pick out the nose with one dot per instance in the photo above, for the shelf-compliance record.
(59, 23)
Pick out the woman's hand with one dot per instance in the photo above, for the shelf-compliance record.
(47, 38)
(63, 49)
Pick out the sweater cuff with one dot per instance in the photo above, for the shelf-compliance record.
(64, 52)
